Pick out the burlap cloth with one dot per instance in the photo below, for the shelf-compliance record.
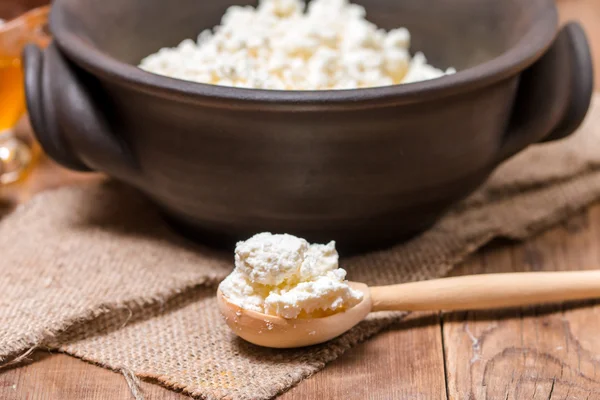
(93, 271)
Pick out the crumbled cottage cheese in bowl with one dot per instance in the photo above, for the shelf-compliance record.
(285, 276)
(287, 45)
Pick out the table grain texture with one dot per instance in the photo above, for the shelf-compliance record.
(543, 352)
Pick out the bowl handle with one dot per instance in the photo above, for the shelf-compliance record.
(554, 94)
(66, 117)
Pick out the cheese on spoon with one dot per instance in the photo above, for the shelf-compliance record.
(285, 276)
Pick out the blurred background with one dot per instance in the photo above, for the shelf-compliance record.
(10, 9)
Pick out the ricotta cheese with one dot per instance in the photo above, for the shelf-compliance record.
(287, 45)
(284, 275)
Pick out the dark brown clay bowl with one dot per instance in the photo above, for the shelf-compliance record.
(364, 167)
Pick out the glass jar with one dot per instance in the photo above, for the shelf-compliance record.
(18, 153)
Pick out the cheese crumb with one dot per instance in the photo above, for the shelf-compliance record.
(287, 45)
(286, 276)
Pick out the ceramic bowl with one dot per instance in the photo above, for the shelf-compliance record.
(366, 167)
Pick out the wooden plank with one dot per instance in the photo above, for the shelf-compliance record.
(10, 9)
(406, 362)
(545, 352)
(60, 377)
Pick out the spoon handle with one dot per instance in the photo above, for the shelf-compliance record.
(487, 291)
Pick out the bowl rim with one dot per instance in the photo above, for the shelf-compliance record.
(524, 53)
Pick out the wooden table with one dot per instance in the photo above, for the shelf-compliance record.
(550, 352)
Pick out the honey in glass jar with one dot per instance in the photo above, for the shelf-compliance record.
(16, 153)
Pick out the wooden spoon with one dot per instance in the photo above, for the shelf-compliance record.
(449, 294)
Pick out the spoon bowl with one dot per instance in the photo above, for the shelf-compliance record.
(277, 332)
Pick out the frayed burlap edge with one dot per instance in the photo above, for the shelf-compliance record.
(51, 336)
(327, 354)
